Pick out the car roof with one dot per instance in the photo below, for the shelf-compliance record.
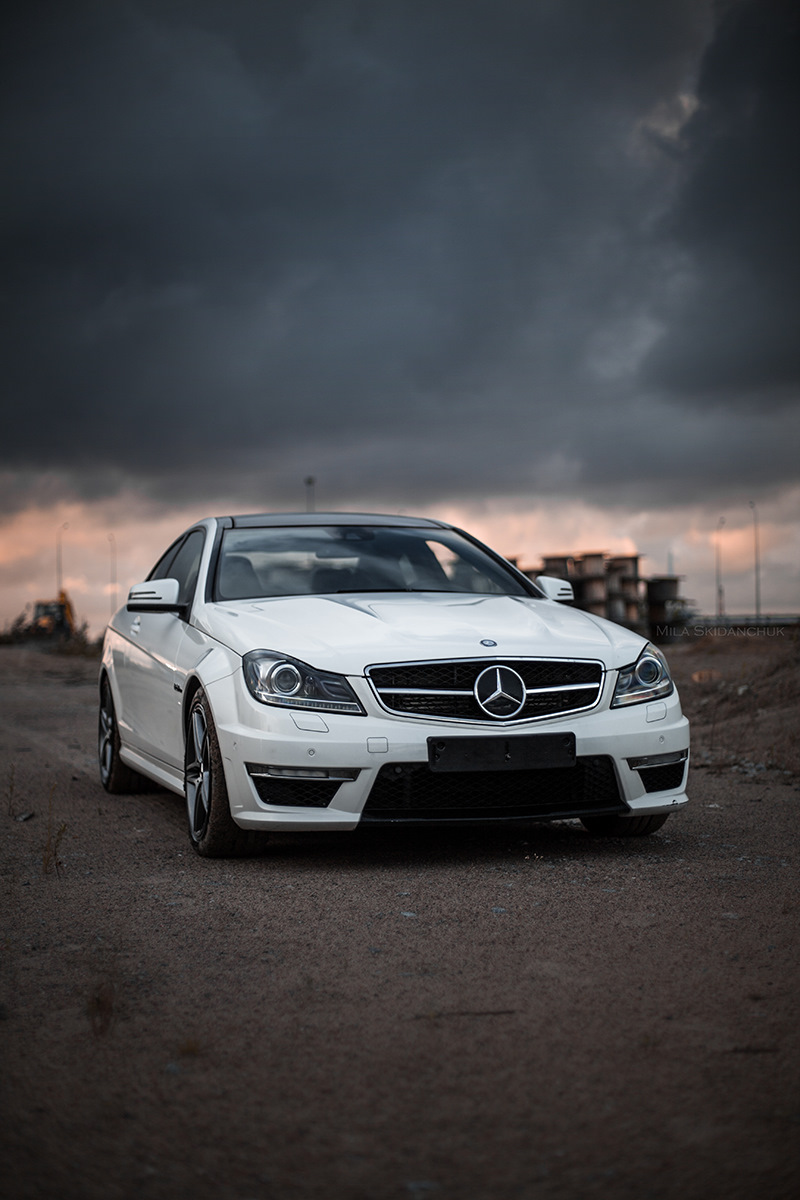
(257, 520)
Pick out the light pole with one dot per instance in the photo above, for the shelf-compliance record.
(112, 566)
(59, 532)
(756, 562)
(309, 482)
(720, 589)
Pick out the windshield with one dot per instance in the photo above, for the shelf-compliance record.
(324, 560)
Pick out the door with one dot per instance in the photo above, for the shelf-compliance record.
(145, 663)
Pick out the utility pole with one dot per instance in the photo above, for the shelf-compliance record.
(112, 550)
(720, 589)
(310, 481)
(59, 532)
(756, 562)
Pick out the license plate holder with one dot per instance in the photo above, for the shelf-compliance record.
(498, 753)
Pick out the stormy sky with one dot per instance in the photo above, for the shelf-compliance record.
(429, 251)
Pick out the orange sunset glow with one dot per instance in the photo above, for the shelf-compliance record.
(106, 547)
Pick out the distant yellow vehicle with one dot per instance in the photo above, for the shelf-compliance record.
(54, 618)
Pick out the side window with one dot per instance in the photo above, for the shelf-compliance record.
(161, 569)
(186, 564)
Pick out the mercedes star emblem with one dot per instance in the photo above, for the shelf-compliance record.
(500, 692)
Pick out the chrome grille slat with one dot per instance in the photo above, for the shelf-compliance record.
(567, 687)
(552, 687)
(408, 691)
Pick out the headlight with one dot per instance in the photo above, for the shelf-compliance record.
(277, 679)
(646, 679)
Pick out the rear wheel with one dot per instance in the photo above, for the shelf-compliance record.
(212, 829)
(624, 826)
(115, 776)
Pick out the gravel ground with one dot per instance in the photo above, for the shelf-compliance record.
(494, 1015)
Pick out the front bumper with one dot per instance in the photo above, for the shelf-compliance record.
(295, 771)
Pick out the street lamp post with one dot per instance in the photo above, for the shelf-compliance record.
(112, 566)
(309, 482)
(756, 563)
(59, 532)
(720, 589)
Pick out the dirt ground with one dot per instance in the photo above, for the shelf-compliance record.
(522, 1014)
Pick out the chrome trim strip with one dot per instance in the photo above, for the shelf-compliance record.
(657, 760)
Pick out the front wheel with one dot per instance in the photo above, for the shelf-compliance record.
(624, 826)
(212, 830)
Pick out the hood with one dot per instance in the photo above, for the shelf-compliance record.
(348, 633)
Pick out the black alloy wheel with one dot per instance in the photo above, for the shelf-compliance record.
(212, 830)
(115, 776)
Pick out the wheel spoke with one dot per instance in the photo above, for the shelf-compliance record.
(106, 737)
(198, 734)
(198, 778)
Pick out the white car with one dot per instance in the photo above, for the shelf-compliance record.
(328, 670)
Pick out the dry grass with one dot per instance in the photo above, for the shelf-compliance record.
(742, 698)
(50, 860)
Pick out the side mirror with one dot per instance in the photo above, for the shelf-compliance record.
(155, 596)
(555, 589)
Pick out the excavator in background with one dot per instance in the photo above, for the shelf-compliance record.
(54, 618)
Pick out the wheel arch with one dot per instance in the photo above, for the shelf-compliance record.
(106, 677)
(219, 836)
(192, 686)
(207, 675)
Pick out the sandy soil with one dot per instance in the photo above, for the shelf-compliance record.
(498, 1015)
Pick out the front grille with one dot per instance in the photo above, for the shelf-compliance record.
(412, 792)
(446, 689)
(664, 778)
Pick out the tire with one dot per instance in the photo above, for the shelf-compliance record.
(624, 826)
(212, 830)
(115, 776)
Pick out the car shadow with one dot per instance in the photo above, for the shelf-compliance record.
(435, 845)
(364, 849)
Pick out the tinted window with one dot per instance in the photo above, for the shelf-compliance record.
(351, 559)
(161, 569)
(186, 564)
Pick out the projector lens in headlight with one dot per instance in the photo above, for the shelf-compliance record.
(274, 678)
(646, 679)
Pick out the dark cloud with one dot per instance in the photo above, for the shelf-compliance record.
(733, 327)
(422, 250)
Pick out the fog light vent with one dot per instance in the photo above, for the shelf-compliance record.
(660, 772)
(298, 787)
